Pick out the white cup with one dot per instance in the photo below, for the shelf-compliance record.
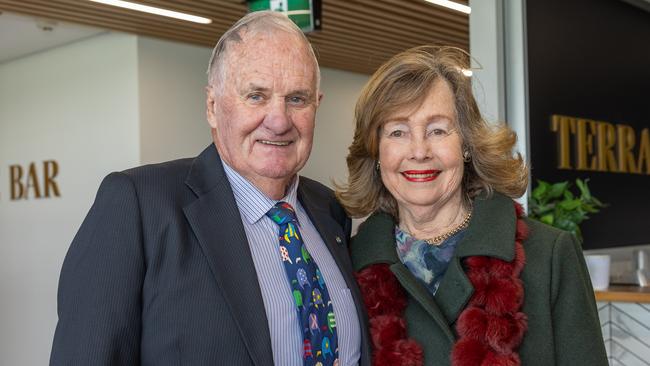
(598, 265)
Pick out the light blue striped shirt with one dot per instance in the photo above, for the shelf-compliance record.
(262, 234)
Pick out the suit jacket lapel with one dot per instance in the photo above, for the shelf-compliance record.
(336, 241)
(215, 220)
(329, 230)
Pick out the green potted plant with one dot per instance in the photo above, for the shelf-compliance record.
(556, 205)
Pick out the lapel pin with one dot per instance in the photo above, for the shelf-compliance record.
(338, 239)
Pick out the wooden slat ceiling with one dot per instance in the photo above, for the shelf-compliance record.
(356, 35)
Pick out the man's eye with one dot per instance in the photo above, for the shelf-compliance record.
(297, 100)
(255, 97)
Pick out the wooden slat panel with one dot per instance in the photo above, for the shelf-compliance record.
(398, 14)
(372, 26)
(381, 26)
(112, 24)
(87, 7)
(422, 7)
(363, 32)
(116, 23)
(350, 41)
(139, 19)
(346, 33)
(357, 35)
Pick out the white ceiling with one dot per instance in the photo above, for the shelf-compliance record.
(22, 35)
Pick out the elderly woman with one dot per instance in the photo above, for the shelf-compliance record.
(451, 270)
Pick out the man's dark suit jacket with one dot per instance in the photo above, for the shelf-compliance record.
(160, 272)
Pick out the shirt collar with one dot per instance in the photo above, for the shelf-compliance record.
(252, 203)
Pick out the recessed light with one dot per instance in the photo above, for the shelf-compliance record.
(154, 10)
(452, 5)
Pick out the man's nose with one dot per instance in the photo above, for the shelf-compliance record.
(277, 118)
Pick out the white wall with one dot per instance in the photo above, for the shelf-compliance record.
(76, 104)
(487, 50)
(172, 84)
(334, 125)
(497, 30)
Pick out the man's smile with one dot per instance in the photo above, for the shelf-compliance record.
(275, 143)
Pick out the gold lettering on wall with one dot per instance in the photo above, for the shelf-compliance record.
(32, 182)
(600, 146)
(606, 142)
(644, 152)
(16, 174)
(626, 142)
(585, 148)
(564, 127)
(23, 185)
(50, 171)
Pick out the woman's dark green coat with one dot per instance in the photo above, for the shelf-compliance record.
(563, 325)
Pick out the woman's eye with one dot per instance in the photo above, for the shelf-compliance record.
(396, 133)
(438, 132)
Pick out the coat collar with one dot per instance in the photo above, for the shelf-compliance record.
(491, 233)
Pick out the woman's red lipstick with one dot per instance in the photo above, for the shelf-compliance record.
(420, 175)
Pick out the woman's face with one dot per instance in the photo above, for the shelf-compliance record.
(420, 152)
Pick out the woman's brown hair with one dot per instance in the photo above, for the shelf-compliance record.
(405, 81)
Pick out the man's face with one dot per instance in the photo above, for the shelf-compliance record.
(263, 111)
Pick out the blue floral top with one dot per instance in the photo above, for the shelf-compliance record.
(427, 262)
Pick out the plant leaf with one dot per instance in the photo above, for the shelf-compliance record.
(584, 188)
(557, 189)
(556, 205)
(541, 189)
(547, 219)
(570, 205)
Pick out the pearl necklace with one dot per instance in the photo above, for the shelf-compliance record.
(442, 237)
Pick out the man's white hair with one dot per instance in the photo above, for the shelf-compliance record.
(253, 23)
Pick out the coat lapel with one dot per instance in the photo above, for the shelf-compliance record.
(216, 222)
(374, 244)
(336, 241)
(491, 233)
(422, 296)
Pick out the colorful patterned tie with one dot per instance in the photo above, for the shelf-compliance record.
(315, 311)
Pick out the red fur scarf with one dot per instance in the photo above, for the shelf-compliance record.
(490, 328)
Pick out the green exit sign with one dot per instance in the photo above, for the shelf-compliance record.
(305, 13)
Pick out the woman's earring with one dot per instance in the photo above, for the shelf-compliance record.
(378, 165)
(466, 156)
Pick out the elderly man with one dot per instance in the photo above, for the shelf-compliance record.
(229, 258)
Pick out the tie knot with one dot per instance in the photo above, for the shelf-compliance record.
(282, 213)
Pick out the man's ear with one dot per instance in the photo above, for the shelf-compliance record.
(209, 106)
(320, 98)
